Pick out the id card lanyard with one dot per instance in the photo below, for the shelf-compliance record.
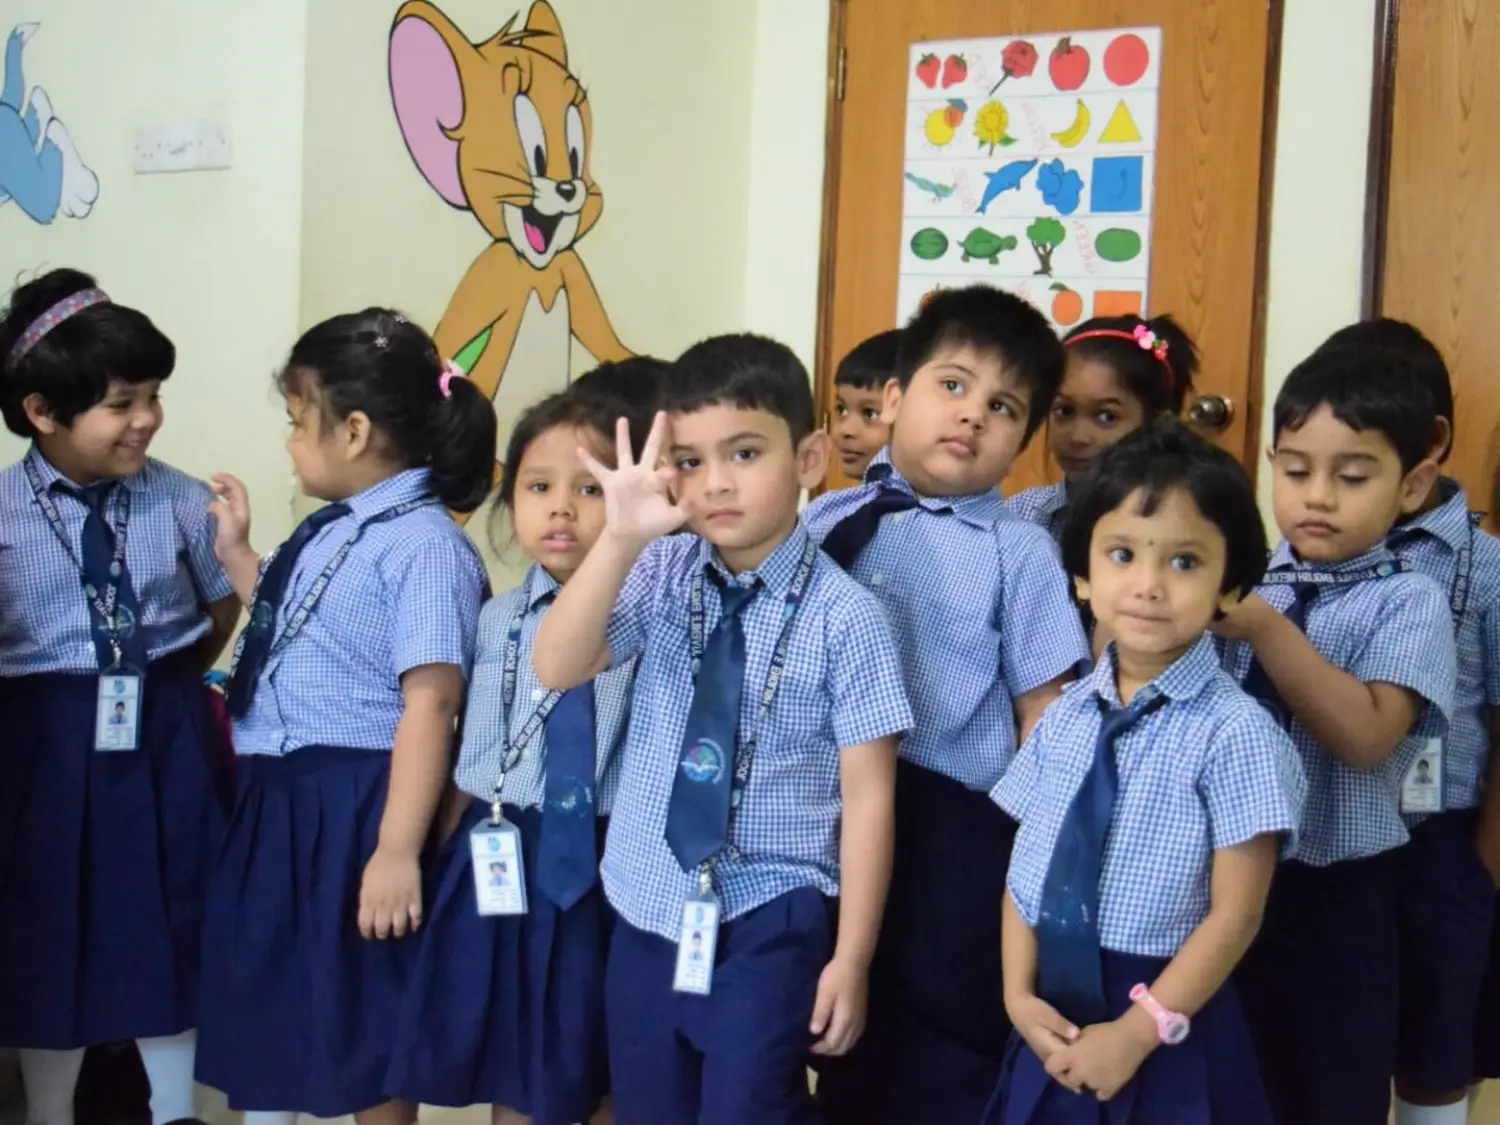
(698, 939)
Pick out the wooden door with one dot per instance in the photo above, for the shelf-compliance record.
(1440, 268)
(1212, 176)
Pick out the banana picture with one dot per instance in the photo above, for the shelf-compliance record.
(1074, 133)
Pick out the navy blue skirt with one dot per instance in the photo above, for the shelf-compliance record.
(1211, 1078)
(104, 859)
(506, 1011)
(299, 1010)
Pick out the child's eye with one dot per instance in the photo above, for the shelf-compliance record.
(1186, 562)
(840, 409)
(872, 416)
(953, 386)
(1295, 474)
(687, 464)
(999, 407)
(745, 454)
(1106, 417)
(539, 487)
(1121, 555)
(590, 490)
(1062, 412)
(1352, 481)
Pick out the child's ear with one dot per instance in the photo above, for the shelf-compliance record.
(39, 414)
(1417, 484)
(1082, 588)
(1442, 438)
(1271, 454)
(357, 433)
(1227, 603)
(812, 459)
(892, 404)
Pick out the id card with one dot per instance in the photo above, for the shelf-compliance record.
(117, 720)
(1422, 787)
(499, 878)
(696, 945)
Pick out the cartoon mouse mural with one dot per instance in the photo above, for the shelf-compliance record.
(502, 129)
(40, 168)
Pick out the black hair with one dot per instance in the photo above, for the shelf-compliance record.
(381, 364)
(1374, 340)
(1160, 457)
(1386, 396)
(871, 363)
(636, 380)
(72, 365)
(993, 321)
(1159, 385)
(745, 371)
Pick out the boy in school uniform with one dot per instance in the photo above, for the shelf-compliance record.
(859, 431)
(1354, 652)
(988, 634)
(757, 776)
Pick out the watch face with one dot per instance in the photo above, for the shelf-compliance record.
(1174, 1030)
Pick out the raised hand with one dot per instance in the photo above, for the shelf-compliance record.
(231, 511)
(638, 504)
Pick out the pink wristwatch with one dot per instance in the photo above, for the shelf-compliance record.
(1171, 1027)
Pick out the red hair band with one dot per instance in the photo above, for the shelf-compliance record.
(1140, 335)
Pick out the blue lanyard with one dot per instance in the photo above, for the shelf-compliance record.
(512, 749)
(1328, 578)
(102, 601)
(1458, 594)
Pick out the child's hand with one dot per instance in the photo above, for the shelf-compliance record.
(1239, 623)
(638, 504)
(390, 895)
(1041, 1025)
(1105, 1057)
(230, 508)
(839, 1010)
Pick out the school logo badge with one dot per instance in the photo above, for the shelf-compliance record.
(703, 762)
(124, 621)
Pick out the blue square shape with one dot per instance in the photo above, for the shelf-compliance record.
(1115, 186)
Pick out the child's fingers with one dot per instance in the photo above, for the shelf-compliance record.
(623, 453)
(651, 451)
(1052, 1020)
(823, 1005)
(591, 463)
(414, 913)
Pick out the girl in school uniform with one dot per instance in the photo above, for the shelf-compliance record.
(345, 689)
(1153, 798)
(506, 1005)
(112, 605)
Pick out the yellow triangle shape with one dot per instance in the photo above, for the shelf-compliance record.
(1120, 128)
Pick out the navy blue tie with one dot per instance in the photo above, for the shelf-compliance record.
(567, 862)
(1069, 971)
(698, 816)
(1257, 683)
(852, 534)
(98, 556)
(255, 648)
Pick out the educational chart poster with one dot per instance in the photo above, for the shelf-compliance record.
(1029, 166)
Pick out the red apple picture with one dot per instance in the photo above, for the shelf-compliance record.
(927, 70)
(1126, 59)
(1069, 65)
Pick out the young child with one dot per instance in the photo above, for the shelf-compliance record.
(1122, 372)
(1152, 800)
(345, 688)
(754, 790)
(988, 634)
(636, 380)
(1357, 655)
(1445, 894)
(111, 603)
(859, 430)
(506, 1005)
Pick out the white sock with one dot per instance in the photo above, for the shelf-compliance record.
(1408, 1114)
(50, 1077)
(169, 1069)
(269, 1117)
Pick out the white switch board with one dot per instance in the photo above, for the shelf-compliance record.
(181, 146)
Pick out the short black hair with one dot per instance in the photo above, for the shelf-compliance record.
(72, 365)
(746, 371)
(1387, 396)
(636, 380)
(1159, 385)
(1161, 456)
(993, 321)
(1374, 340)
(871, 363)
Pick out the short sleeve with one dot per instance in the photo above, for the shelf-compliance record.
(434, 590)
(1411, 644)
(1020, 786)
(1252, 782)
(864, 675)
(630, 620)
(190, 501)
(1040, 634)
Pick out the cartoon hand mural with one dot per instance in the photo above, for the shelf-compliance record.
(502, 128)
(40, 168)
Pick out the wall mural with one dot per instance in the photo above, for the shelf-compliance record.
(40, 169)
(501, 128)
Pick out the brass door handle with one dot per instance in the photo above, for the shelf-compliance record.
(1211, 412)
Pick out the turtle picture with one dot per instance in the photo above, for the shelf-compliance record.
(986, 246)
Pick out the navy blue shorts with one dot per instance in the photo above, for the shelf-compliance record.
(937, 1027)
(1446, 901)
(736, 1057)
(1320, 991)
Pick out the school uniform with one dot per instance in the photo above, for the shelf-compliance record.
(509, 1010)
(1197, 766)
(298, 1009)
(1046, 505)
(104, 855)
(1445, 896)
(1320, 983)
(738, 1054)
(982, 613)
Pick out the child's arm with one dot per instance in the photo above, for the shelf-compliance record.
(1031, 704)
(224, 615)
(867, 777)
(1487, 831)
(1038, 1022)
(1041, 639)
(231, 511)
(571, 645)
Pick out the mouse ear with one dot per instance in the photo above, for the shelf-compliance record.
(428, 93)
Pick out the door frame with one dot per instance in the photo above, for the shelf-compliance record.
(824, 360)
(1378, 161)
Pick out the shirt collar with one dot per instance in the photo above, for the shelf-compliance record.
(51, 478)
(981, 509)
(1284, 558)
(1449, 521)
(1055, 499)
(775, 572)
(409, 484)
(539, 586)
(1184, 678)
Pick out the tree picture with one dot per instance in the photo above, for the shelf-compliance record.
(1046, 236)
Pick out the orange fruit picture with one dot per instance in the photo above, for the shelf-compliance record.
(1067, 305)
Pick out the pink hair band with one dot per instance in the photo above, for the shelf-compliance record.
(68, 306)
(451, 371)
(1140, 335)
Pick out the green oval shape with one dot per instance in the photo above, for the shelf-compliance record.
(1118, 244)
(929, 244)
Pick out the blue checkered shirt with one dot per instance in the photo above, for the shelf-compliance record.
(45, 618)
(841, 688)
(485, 738)
(1393, 630)
(408, 594)
(1045, 505)
(981, 612)
(1209, 769)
